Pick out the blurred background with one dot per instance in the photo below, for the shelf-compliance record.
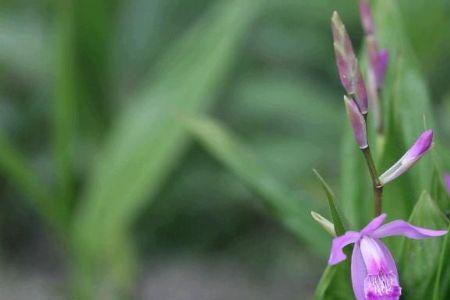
(111, 187)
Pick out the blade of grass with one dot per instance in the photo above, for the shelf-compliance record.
(442, 284)
(419, 278)
(335, 216)
(286, 207)
(21, 174)
(146, 141)
(64, 105)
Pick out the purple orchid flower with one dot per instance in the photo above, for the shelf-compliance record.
(419, 149)
(347, 64)
(373, 270)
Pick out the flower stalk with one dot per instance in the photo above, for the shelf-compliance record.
(356, 101)
(376, 183)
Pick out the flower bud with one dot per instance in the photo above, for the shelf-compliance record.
(366, 17)
(357, 121)
(420, 147)
(325, 223)
(378, 60)
(347, 64)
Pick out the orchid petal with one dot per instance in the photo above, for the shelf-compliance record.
(381, 281)
(337, 255)
(373, 225)
(359, 272)
(390, 262)
(402, 228)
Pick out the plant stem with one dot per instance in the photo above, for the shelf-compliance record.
(377, 186)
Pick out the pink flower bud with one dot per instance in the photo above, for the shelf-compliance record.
(347, 64)
(357, 121)
(420, 147)
(366, 17)
(378, 60)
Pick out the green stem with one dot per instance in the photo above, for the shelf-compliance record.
(377, 186)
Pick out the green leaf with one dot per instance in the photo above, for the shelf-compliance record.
(146, 141)
(282, 203)
(442, 282)
(420, 258)
(64, 104)
(20, 172)
(335, 216)
(335, 283)
(439, 190)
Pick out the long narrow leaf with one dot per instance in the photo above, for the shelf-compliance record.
(64, 113)
(146, 141)
(292, 212)
(20, 172)
(418, 278)
(337, 221)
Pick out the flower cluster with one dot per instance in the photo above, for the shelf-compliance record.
(373, 270)
(355, 87)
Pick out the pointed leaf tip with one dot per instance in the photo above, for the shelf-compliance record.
(335, 216)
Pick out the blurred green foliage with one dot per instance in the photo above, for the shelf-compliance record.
(129, 128)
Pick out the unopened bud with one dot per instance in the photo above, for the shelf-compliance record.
(347, 64)
(325, 223)
(357, 121)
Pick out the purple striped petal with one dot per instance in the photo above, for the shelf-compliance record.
(338, 244)
(381, 281)
(357, 121)
(390, 262)
(402, 228)
(373, 225)
(420, 147)
(347, 64)
(359, 273)
(447, 182)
